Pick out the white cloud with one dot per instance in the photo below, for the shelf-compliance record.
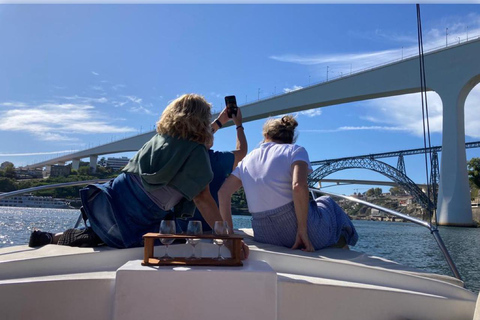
(141, 109)
(137, 107)
(472, 110)
(343, 64)
(294, 88)
(14, 104)
(312, 112)
(357, 128)
(35, 153)
(116, 87)
(117, 104)
(404, 113)
(97, 88)
(216, 95)
(85, 100)
(58, 122)
(49, 136)
(134, 99)
(95, 73)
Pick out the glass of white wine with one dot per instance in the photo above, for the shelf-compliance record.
(194, 228)
(220, 228)
(167, 227)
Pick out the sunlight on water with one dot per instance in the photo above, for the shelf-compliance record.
(16, 224)
(405, 243)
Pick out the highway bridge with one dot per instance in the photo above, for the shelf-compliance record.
(452, 72)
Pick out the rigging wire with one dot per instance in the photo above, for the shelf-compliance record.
(431, 186)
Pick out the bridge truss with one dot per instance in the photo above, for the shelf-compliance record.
(397, 175)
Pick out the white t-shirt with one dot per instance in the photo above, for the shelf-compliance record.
(266, 175)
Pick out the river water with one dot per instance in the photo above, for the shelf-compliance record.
(403, 242)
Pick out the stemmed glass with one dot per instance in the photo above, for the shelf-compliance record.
(167, 227)
(194, 228)
(220, 228)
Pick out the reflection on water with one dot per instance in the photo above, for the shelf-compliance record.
(413, 245)
(16, 224)
(405, 243)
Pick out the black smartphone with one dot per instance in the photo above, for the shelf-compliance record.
(231, 103)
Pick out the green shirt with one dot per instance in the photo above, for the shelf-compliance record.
(179, 163)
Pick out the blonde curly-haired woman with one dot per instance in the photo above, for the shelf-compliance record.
(172, 170)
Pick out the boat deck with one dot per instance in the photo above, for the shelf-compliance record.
(330, 282)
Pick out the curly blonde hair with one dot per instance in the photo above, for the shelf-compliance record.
(187, 117)
(281, 129)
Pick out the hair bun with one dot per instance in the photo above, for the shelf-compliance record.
(289, 122)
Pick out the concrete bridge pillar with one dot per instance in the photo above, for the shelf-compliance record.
(93, 163)
(454, 208)
(48, 170)
(75, 164)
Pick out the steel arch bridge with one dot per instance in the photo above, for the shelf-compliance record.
(378, 166)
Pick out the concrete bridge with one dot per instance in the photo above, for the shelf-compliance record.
(451, 72)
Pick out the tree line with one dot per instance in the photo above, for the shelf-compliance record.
(8, 182)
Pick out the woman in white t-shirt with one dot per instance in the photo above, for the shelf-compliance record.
(274, 177)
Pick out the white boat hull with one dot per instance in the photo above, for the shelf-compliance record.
(57, 282)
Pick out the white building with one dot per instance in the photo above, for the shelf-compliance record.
(117, 163)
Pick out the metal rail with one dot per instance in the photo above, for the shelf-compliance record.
(433, 229)
(54, 186)
(51, 186)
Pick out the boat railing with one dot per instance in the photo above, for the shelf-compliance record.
(51, 186)
(432, 228)
(54, 186)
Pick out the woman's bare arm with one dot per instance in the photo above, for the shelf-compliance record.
(300, 201)
(207, 207)
(230, 185)
(242, 145)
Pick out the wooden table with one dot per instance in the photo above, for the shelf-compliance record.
(150, 260)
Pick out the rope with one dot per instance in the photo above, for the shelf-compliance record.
(431, 189)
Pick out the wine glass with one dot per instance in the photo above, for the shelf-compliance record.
(194, 228)
(167, 227)
(220, 228)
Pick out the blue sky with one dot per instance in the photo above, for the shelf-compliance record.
(75, 76)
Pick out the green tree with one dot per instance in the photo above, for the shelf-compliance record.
(84, 171)
(396, 191)
(9, 171)
(370, 192)
(7, 185)
(473, 167)
(378, 191)
(239, 202)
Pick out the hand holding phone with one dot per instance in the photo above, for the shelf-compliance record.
(231, 103)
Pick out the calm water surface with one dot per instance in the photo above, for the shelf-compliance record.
(405, 243)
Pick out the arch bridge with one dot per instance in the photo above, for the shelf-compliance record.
(387, 170)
